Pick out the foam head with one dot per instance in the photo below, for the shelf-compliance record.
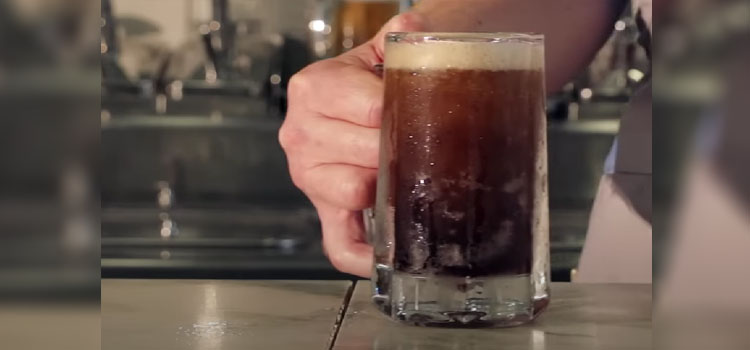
(482, 51)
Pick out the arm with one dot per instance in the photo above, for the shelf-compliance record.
(331, 131)
(574, 30)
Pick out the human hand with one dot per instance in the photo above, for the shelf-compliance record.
(331, 137)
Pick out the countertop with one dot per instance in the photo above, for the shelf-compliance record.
(580, 317)
(215, 314)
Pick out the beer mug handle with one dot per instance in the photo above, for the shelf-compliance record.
(378, 70)
(368, 215)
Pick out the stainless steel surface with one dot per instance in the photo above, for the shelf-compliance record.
(577, 150)
(213, 243)
(219, 315)
(193, 181)
(580, 317)
(205, 160)
(230, 210)
(217, 167)
(214, 145)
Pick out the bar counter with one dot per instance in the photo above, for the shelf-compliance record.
(218, 314)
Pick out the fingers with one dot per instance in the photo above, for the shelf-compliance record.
(339, 91)
(322, 140)
(343, 186)
(333, 161)
(344, 240)
(405, 22)
(331, 139)
(372, 52)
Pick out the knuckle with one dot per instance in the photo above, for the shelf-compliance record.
(375, 113)
(350, 70)
(356, 192)
(339, 260)
(371, 152)
(291, 136)
(299, 84)
(297, 178)
(366, 148)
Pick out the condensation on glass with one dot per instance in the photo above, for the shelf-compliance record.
(460, 226)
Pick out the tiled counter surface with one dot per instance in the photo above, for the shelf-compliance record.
(191, 314)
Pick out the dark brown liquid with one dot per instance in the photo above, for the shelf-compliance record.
(462, 152)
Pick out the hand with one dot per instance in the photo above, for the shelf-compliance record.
(331, 138)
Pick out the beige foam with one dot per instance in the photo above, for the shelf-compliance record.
(464, 55)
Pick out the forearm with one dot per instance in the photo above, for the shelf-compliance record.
(574, 29)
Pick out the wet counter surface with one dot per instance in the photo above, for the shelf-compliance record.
(191, 314)
(217, 315)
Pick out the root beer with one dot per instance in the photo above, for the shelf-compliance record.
(461, 144)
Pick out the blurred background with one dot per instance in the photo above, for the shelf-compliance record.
(138, 139)
(193, 182)
(50, 86)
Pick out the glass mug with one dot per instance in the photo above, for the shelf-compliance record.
(460, 227)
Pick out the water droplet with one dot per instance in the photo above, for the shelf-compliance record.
(432, 163)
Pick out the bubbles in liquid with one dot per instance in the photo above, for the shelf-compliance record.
(421, 200)
(454, 215)
(523, 202)
(446, 213)
(456, 206)
(422, 192)
(419, 249)
(513, 185)
(499, 242)
(451, 255)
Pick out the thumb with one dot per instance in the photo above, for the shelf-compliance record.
(405, 22)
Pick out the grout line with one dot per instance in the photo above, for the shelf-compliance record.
(340, 317)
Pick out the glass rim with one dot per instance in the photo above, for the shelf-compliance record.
(480, 37)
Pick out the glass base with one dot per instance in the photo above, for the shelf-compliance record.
(447, 301)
